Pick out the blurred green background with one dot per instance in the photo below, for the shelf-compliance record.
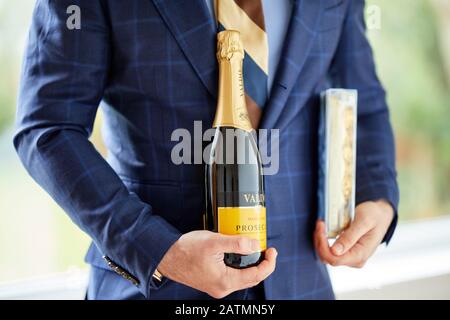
(412, 50)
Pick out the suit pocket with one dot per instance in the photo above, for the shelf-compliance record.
(178, 204)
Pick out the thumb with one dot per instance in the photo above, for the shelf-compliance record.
(237, 244)
(359, 227)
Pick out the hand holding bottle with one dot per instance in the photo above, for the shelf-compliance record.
(196, 260)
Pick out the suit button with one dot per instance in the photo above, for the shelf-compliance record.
(120, 271)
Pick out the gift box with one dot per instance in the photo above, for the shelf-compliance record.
(337, 154)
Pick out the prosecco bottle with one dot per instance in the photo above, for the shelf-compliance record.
(234, 174)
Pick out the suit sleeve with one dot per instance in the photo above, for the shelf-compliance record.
(353, 67)
(63, 78)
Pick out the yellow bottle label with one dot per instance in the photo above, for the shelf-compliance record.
(245, 221)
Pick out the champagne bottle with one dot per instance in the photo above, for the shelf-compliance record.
(234, 174)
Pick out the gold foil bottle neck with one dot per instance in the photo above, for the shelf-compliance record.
(231, 104)
(229, 44)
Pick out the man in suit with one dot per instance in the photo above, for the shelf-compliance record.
(151, 66)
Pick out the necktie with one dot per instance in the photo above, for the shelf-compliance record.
(247, 17)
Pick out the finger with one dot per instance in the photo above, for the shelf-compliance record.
(322, 246)
(236, 244)
(359, 227)
(317, 235)
(357, 256)
(319, 231)
(245, 278)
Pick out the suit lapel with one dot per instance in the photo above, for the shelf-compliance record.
(194, 29)
(299, 38)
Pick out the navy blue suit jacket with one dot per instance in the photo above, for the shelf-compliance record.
(151, 66)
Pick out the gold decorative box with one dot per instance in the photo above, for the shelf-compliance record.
(337, 152)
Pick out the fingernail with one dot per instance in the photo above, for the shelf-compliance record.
(338, 248)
